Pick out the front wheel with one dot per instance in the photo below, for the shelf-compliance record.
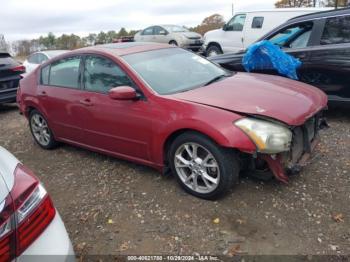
(213, 50)
(203, 168)
(173, 43)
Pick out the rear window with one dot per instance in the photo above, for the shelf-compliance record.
(258, 22)
(65, 73)
(336, 31)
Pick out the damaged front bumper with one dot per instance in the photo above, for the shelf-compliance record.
(277, 165)
(304, 142)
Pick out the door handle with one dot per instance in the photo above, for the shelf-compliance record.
(86, 102)
(43, 93)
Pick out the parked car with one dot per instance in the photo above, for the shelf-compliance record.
(30, 226)
(246, 27)
(37, 58)
(124, 39)
(10, 74)
(170, 34)
(166, 107)
(321, 41)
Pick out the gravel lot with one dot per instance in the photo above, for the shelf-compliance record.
(112, 206)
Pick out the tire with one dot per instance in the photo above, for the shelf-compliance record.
(213, 50)
(173, 42)
(40, 130)
(214, 174)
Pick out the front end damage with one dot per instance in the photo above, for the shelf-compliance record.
(281, 166)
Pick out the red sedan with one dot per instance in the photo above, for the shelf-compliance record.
(173, 110)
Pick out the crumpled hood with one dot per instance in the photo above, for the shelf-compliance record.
(288, 101)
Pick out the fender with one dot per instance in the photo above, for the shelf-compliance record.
(225, 135)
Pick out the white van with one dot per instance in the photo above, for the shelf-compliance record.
(246, 27)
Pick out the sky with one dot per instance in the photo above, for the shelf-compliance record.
(28, 19)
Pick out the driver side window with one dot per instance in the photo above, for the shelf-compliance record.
(236, 23)
(102, 74)
(159, 30)
(296, 36)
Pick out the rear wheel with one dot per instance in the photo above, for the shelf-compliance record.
(203, 168)
(40, 130)
(213, 50)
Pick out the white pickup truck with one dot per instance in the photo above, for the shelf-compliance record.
(244, 28)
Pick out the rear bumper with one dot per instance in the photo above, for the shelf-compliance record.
(52, 245)
(8, 95)
(8, 88)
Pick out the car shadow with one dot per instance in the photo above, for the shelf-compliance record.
(338, 113)
(5, 108)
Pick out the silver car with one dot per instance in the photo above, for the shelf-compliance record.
(38, 58)
(170, 34)
(30, 227)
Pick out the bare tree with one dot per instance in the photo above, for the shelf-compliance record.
(3, 44)
(295, 3)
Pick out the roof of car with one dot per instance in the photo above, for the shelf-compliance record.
(126, 48)
(333, 12)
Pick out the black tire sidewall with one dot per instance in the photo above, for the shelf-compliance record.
(226, 159)
(53, 143)
(214, 47)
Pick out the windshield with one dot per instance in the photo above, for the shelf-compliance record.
(175, 28)
(173, 70)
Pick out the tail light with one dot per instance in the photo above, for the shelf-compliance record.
(25, 214)
(20, 68)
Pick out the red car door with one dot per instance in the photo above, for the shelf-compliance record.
(60, 96)
(114, 126)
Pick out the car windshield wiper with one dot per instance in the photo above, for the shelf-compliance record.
(215, 79)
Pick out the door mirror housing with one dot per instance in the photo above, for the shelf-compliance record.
(224, 27)
(123, 93)
(162, 32)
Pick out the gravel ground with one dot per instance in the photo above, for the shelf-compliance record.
(112, 206)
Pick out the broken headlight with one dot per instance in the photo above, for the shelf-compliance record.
(269, 138)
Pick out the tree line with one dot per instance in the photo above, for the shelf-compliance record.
(311, 3)
(72, 41)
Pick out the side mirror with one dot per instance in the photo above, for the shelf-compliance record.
(162, 32)
(224, 27)
(123, 93)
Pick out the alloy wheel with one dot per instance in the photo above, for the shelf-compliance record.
(197, 168)
(40, 130)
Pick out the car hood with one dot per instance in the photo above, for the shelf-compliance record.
(191, 34)
(275, 97)
(213, 32)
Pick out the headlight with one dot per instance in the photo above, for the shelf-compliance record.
(268, 137)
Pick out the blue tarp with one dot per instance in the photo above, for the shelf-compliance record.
(265, 55)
